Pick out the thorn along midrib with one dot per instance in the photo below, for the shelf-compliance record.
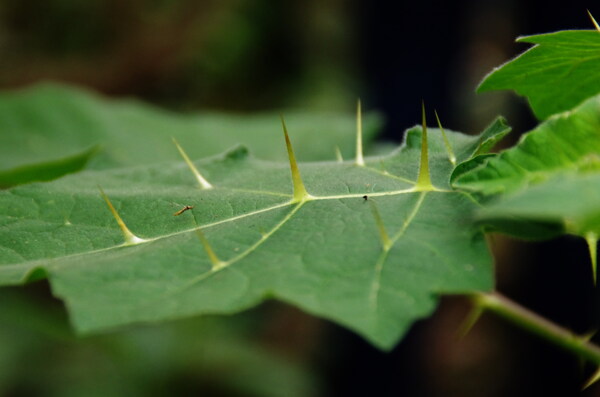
(424, 179)
(300, 193)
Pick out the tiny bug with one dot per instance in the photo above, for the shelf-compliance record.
(365, 197)
(181, 211)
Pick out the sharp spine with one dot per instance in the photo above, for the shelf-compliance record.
(359, 147)
(594, 21)
(592, 241)
(130, 238)
(214, 260)
(338, 155)
(451, 155)
(300, 193)
(424, 178)
(204, 184)
(386, 242)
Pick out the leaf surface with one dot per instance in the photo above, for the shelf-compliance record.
(557, 74)
(323, 254)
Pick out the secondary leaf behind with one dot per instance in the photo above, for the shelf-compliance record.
(557, 74)
(50, 121)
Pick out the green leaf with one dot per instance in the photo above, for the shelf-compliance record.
(321, 252)
(477, 154)
(567, 141)
(545, 178)
(51, 121)
(46, 171)
(493, 134)
(557, 74)
(471, 164)
(569, 202)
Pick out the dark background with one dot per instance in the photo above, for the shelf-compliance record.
(243, 56)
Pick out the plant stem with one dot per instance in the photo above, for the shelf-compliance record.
(532, 322)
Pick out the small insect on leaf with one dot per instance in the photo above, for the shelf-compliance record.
(365, 197)
(181, 211)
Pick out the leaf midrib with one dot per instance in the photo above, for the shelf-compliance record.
(212, 224)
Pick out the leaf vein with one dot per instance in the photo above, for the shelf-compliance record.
(376, 284)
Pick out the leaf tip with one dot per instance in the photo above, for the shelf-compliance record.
(204, 184)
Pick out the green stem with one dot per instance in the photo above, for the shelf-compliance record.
(538, 325)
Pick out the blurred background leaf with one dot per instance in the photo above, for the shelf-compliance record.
(46, 170)
(567, 71)
(48, 122)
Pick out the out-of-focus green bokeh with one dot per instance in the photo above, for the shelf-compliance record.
(230, 54)
(223, 356)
